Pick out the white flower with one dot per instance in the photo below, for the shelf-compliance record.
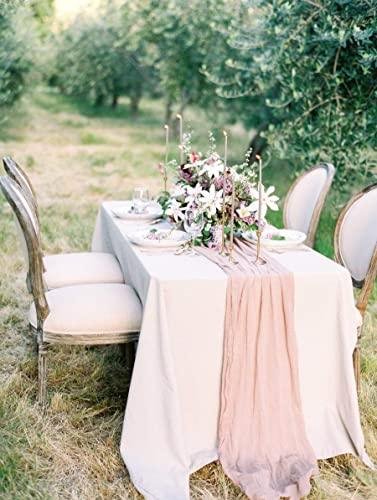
(211, 200)
(268, 200)
(178, 191)
(213, 166)
(193, 193)
(244, 212)
(175, 210)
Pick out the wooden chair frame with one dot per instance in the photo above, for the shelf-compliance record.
(20, 177)
(367, 284)
(314, 221)
(13, 195)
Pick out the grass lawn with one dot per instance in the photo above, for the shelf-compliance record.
(77, 157)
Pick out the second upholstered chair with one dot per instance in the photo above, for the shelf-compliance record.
(306, 198)
(64, 269)
(75, 315)
(355, 243)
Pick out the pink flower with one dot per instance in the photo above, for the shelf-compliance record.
(193, 157)
(161, 168)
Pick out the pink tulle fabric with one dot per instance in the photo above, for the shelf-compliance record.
(262, 439)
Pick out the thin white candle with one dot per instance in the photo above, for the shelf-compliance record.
(179, 117)
(232, 216)
(260, 194)
(166, 155)
(225, 147)
(224, 181)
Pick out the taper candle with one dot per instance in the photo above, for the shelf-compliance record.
(225, 147)
(232, 217)
(259, 230)
(224, 182)
(179, 117)
(166, 154)
(260, 193)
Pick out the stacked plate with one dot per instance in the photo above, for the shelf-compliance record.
(126, 211)
(277, 238)
(159, 238)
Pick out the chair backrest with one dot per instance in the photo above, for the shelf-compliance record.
(24, 216)
(306, 198)
(18, 175)
(355, 240)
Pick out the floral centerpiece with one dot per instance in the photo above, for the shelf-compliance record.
(204, 185)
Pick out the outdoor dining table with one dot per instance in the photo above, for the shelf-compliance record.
(171, 419)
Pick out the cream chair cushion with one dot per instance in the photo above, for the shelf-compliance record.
(91, 310)
(303, 199)
(358, 235)
(80, 269)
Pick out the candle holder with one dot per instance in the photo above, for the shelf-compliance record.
(231, 246)
(223, 250)
(258, 258)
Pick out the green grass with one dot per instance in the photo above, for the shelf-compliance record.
(78, 156)
(90, 138)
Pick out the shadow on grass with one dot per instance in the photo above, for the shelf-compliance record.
(53, 102)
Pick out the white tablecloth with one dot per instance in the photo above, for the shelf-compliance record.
(170, 425)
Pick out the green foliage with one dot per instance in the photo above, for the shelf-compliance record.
(17, 42)
(313, 64)
(181, 40)
(102, 59)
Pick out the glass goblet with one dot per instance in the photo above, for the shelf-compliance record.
(140, 199)
(193, 225)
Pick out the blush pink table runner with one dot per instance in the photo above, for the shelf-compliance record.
(262, 439)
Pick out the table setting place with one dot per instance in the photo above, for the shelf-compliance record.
(245, 348)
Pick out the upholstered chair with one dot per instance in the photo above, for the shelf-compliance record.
(76, 268)
(108, 313)
(355, 243)
(306, 198)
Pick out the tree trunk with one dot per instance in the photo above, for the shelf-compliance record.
(168, 110)
(114, 102)
(134, 104)
(257, 143)
(100, 98)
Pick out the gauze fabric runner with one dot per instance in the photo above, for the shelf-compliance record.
(262, 439)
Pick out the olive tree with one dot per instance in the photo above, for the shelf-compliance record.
(101, 59)
(313, 64)
(17, 51)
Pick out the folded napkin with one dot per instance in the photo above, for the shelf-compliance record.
(262, 439)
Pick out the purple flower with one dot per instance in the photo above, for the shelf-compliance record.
(219, 184)
(216, 237)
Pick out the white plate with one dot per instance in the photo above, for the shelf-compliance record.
(174, 238)
(291, 239)
(152, 211)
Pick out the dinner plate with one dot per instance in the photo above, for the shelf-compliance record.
(159, 238)
(125, 211)
(277, 238)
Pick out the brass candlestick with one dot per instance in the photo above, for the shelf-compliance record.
(230, 253)
(258, 259)
(223, 250)
(166, 127)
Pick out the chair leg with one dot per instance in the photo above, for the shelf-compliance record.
(42, 373)
(356, 366)
(128, 351)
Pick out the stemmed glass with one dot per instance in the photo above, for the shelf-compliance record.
(193, 225)
(140, 199)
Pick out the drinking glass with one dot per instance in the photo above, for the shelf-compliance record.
(193, 225)
(140, 199)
